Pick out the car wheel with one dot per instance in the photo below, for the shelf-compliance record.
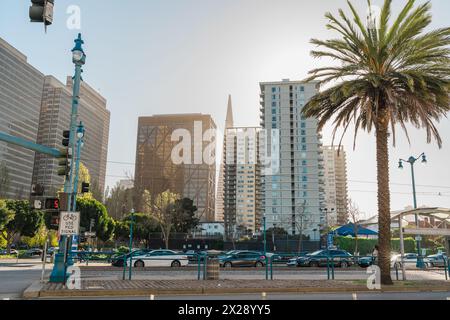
(344, 264)
(139, 264)
(259, 264)
(227, 265)
(431, 265)
(175, 264)
(314, 264)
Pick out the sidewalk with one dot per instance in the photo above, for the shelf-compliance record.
(105, 288)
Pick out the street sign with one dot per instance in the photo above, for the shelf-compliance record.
(37, 204)
(418, 238)
(89, 234)
(69, 223)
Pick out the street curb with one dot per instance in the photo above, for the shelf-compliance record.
(33, 291)
(206, 291)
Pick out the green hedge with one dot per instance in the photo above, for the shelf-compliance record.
(365, 246)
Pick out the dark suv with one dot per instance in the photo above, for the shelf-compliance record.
(339, 258)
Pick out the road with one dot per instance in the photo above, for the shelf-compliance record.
(297, 296)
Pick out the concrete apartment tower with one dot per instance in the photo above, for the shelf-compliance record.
(229, 123)
(55, 118)
(242, 188)
(336, 192)
(156, 169)
(293, 194)
(20, 104)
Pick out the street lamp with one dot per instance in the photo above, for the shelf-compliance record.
(412, 160)
(79, 59)
(131, 243)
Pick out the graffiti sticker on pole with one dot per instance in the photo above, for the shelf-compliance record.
(69, 223)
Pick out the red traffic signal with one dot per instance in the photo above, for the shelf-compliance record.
(52, 204)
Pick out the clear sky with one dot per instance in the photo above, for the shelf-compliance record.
(183, 56)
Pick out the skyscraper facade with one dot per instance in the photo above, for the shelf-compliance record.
(55, 118)
(20, 103)
(336, 192)
(164, 140)
(293, 194)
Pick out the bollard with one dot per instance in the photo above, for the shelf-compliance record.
(205, 261)
(445, 269)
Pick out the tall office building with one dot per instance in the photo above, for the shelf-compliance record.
(242, 187)
(336, 193)
(55, 118)
(20, 103)
(164, 140)
(293, 193)
(229, 123)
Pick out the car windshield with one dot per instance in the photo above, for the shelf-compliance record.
(316, 253)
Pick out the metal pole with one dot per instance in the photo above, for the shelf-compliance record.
(419, 254)
(44, 260)
(402, 246)
(265, 249)
(131, 243)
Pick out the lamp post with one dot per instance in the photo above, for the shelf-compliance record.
(131, 243)
(79, 59)
(273, 237)
(412, 160)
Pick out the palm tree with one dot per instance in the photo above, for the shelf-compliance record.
(388, 74)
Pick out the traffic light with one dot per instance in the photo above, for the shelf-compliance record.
(85, 187)
(42, 11)
(66, 138)
(52, 204)
(64, 162)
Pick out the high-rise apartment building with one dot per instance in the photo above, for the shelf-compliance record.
(176, 153)
(242, 187)
(55, 114)
(229, 123)
(336, 193)
(293, 193)
(37, 108)
(20, 103)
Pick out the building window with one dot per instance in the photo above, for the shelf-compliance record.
(274, 104)
(274, 89)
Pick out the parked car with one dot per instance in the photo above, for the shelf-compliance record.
(318, 258)
(243, 259)
(12, 252)
(161, 258)
(117, 260)
(365, 262)
(438, 260)
(286, 258)
(35, 252)
(409, 259)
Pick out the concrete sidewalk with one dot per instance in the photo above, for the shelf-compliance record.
(105, 288)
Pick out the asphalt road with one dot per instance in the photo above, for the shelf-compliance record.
(297, 296)
(14, 282)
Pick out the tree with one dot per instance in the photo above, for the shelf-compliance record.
(6, 215)
(143, 226)
(26, 222)
(185, 219)
(354, 215)
(93, 209)
(386, 75)
(5, 180)
(163, 209)
(119, 202)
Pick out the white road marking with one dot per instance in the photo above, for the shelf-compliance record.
(152, 297)
(354, 296)
(263, 295)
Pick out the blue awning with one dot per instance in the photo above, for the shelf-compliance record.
(349, 230)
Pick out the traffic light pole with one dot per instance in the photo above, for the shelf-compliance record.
(60, 267)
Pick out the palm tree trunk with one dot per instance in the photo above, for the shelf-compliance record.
(384, 209)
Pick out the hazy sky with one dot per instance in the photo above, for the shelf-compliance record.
(184, 56)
